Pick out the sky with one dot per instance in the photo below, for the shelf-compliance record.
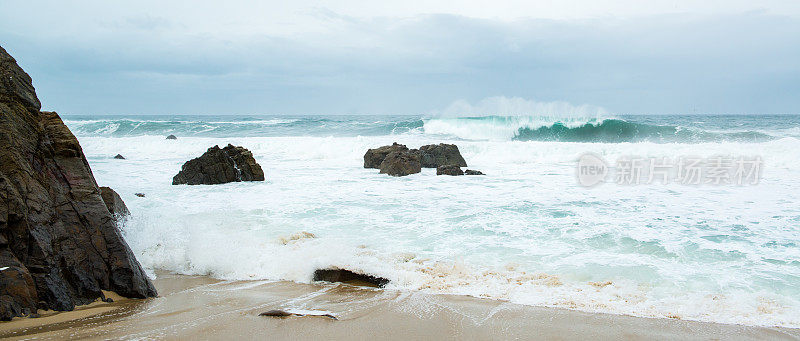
(408, 57)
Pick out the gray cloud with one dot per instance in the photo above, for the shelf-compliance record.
(676, 63)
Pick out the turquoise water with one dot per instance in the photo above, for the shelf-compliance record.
(525, 232)
(660, 129)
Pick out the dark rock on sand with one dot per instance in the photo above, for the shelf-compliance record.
(281, 313)
(140, 195)
(472, 172)
(276, 313)
(219, 166)
(349, 277)
(114, 203)
(435, 155)
(58, 242)
(119, 157)
(374, 157)
(400, 163)
(449, 170)
(172, 137)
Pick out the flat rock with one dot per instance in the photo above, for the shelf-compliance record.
(283, 313)
(473, 172)
(276, 313)
(400, 163)
(374, 157)
(59, 244)
(220, 165)
(349, 277)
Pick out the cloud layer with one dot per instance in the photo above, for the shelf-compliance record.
(98, 59)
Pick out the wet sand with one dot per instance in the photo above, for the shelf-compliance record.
(203, 308)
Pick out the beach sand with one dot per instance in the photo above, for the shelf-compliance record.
(195, 307)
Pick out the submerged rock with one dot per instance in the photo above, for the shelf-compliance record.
(435, 155)
(374, 157)
(219, 166)
(140, 195)
(59, 245)
(119, 157)
(473, 172)
(172, 137)
(400, 163)
(449, 170)
(349, 277)
(114, 203)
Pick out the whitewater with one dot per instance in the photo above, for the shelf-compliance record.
(527, 232)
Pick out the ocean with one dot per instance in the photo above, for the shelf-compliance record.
(526, 232)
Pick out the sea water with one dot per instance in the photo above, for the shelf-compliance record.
(526, 232)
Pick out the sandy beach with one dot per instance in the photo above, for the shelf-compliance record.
(194, 307)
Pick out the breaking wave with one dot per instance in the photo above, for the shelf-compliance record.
(612, 130)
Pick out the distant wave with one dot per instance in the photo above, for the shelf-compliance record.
(244, 127)
(613, 130)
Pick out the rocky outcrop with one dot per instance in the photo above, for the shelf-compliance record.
(219, 166)
(374, 157)
(349, 277)
(59, 245)
(114, 203)
(435, 155)
(172, 137)
(400, 163)
(119, 157)
(472, 172)
(449, 170)
(429, 156)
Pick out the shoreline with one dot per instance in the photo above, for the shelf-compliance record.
(203, 307)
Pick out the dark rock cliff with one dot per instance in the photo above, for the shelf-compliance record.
(59, 246)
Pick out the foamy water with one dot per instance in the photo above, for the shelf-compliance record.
(526, 232)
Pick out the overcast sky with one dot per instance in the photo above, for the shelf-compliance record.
(408, 57)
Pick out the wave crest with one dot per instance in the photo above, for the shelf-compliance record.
(611, 130)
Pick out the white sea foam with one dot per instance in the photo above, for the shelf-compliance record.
(526, 232)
